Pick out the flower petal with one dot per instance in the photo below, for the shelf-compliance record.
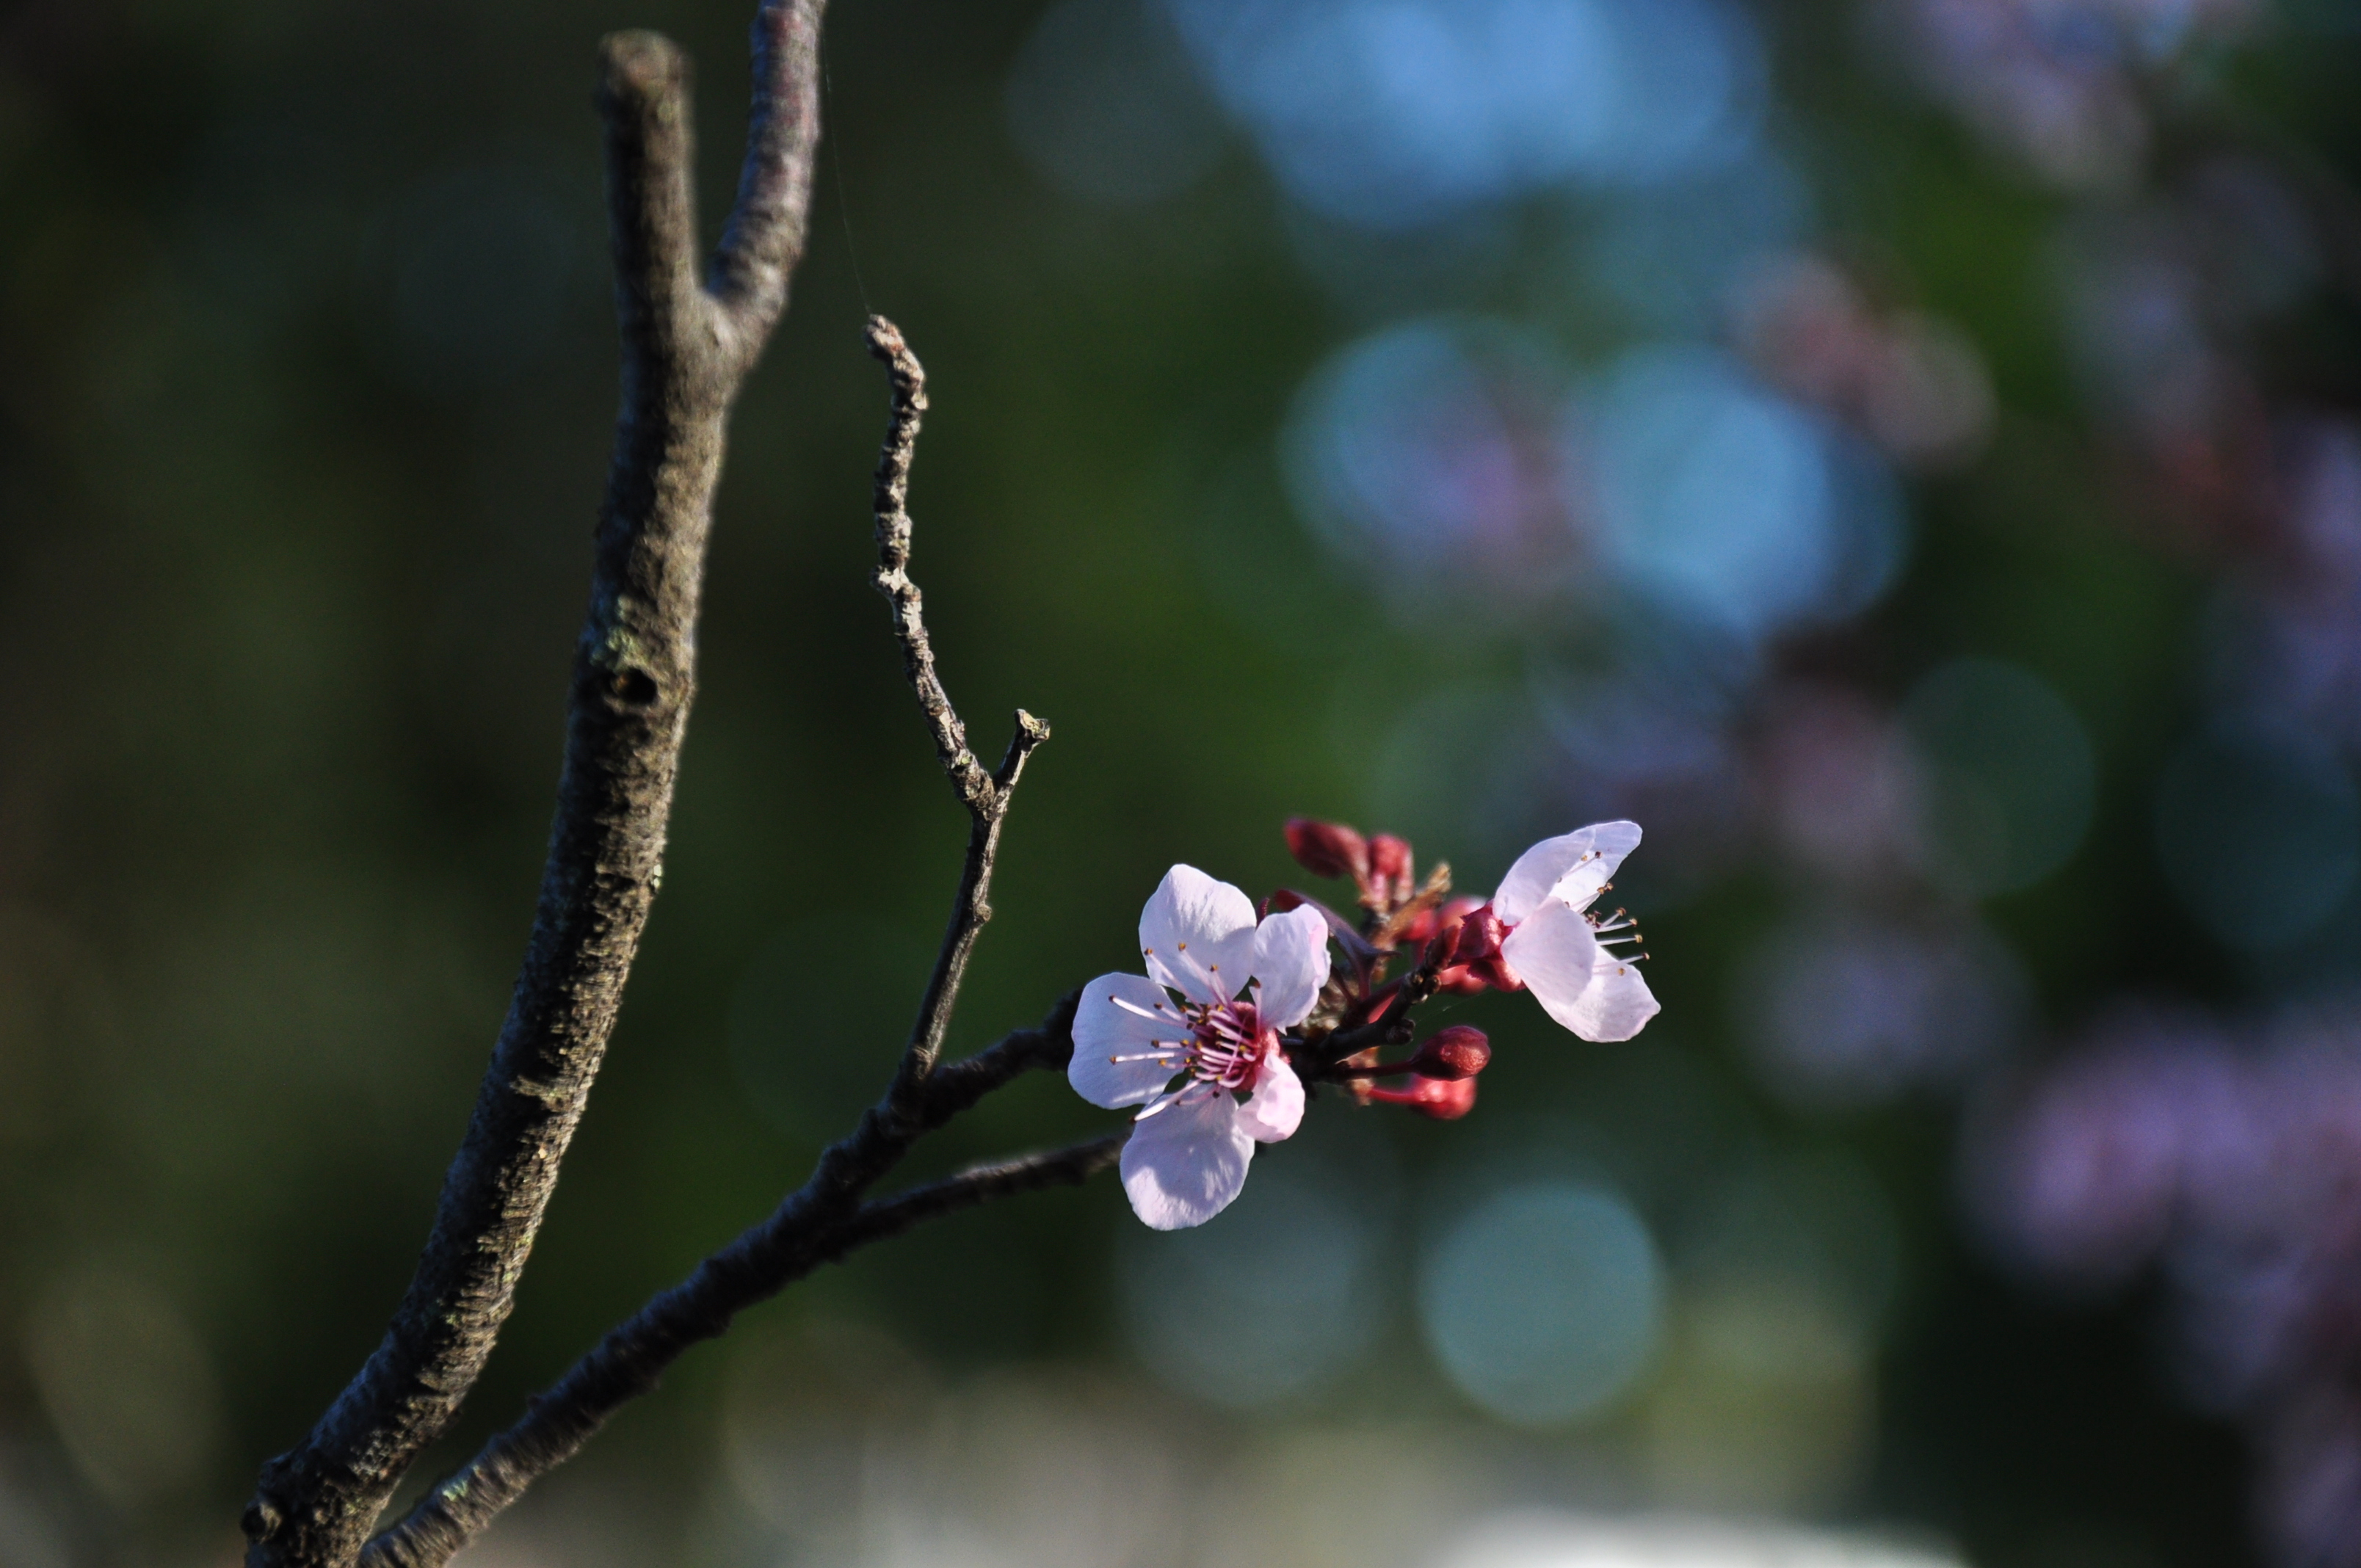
(1128, 1041)
(1581, 984)
(1554, 951)
(1197, 935)
(1617, 1005)
(1275, 1109)
(1290, 965)
(1549, 869)
(1185, 1163)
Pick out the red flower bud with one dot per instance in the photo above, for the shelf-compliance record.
(1477, 936)
(1496, 973)
(1327, 848)
(1472, 958)
(1446, 1100)
(1429, 924)
(1389, 858)
(1459, 907)
(1453, 1054)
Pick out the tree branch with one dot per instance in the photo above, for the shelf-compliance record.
(765, 234)
(826, 1215)
(686, 354)
(985, 796)
(887, 1217)
(804, 1232)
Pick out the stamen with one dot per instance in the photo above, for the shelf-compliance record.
(1227, 1045)
(1616, 928)
(1161, 1104)
(1166, 1014)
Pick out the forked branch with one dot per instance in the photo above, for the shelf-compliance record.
(821, 1221)
(985, 796)
(831, 1213)
(688, 346)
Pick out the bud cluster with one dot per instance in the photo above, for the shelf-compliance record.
(1379, 866)
(1243, 1013)
(1449, 943)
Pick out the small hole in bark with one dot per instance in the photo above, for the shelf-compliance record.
(637, 688)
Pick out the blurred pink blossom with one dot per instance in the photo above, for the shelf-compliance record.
(1838, 783)
(2231, 1161)
(1914, 385)
(2054, 84)
(2297, 651)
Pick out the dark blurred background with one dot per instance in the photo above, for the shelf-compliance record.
(1904, 452)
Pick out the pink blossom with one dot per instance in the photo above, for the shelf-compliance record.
(1563, 954)
(1914, 385)
(1194, 1043)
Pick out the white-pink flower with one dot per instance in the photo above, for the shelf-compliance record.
(1187, 1063)
(1565, 956)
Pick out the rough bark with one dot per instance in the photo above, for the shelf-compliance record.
(829, 1213)
(688, 346)
(821, 1221)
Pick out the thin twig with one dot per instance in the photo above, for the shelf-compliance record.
(985, 796)
(818, 1225)
(685, 352)
(1393, 1028)
(890, 502)
(887, 1217)
(827, 1214)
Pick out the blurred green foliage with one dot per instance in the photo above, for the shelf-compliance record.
(306, 374)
